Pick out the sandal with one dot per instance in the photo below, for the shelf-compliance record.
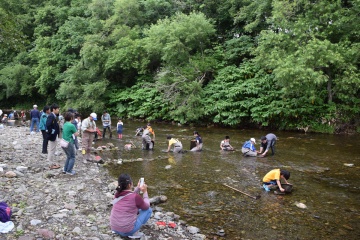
(54, 166)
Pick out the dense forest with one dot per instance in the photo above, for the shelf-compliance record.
(281, 64)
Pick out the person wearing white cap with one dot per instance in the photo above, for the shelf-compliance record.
(248, 148)
(225, 144)
(35, 119)
(88, 129)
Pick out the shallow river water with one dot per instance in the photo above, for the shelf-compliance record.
(195, 182)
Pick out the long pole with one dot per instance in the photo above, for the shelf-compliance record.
(254, 197)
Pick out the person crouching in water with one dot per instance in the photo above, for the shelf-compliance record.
(177, 144)
(225, 144)
(146, 139)
(199, 143)
(130, 211)
(248, 148)
(274, 177)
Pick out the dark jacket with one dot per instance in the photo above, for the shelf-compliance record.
(52, 127)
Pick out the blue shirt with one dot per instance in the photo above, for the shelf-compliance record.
(249, 145)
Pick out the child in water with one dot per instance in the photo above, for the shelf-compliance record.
(274, 178)
(119, 128)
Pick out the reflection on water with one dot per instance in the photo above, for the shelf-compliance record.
(195, 190)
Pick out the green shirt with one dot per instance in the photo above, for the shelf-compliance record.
(68, 130)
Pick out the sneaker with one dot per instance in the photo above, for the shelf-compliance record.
(137, 235)
(71, 173)
(266, 188)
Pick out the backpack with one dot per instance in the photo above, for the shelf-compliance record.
(5, 212)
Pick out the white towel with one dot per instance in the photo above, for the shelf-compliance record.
(6, 226)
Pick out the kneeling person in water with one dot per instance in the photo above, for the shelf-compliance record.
(225, 144)
(177, 144)
(248, 148)
(274, 178)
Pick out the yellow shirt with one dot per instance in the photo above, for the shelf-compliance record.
(272, 175)
(172, 141)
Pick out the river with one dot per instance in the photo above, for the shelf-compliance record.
(321, 172)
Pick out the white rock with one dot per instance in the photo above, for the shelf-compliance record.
(158, 215)
(301, 205)
(193, 230)
(18, 174)
(77, 230)
(35, 222)
(199, 236)
(60, 215)
(113, 185)
(4, 166)
(168, 167)
(21, 168)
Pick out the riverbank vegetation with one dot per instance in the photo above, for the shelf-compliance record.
(266, 63)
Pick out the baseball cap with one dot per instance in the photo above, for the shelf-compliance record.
(253, 140)
(35, 106)
(93, 115)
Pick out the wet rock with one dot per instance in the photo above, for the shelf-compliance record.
(301, 205)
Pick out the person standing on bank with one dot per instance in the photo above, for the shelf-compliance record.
(42, 126)
(53, 130)
(35, 118)
(130, 211)
(199, 142)
(268, 142)
(106, 122)
(69, 134)
(88, 129)
(177, 144)
(248, 148)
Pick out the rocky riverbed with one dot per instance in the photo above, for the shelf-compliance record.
(48, 204)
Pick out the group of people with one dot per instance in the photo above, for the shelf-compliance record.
(130, 211)
(13, 115)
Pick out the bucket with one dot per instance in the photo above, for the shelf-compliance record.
(11, 122)
(192, 144)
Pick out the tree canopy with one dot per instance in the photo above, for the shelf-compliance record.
(265, 63)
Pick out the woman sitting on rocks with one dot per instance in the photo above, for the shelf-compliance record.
(130, 211)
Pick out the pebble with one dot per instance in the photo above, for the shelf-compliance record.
(301, 205)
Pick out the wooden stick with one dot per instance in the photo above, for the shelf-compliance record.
(133, 144)
(254, 197)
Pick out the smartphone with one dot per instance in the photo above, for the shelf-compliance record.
(141, 181)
